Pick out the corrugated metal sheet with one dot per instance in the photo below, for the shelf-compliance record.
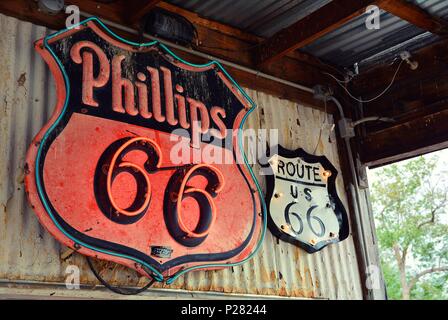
(346, 46)
(260, 17)
(435, 7)
(353, 42)
(29, 253)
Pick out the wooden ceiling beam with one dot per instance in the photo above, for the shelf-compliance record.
(418, 101)
(415, 137)
(236, 33)
(307, 30)
(415, 15)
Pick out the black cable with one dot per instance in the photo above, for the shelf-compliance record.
(122, 291)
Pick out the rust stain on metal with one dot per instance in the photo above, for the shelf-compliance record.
(22, 79)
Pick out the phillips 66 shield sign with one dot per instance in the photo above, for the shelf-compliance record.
(304, 207)
(104, 175)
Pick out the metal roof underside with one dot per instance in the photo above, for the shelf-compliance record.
(350, 44)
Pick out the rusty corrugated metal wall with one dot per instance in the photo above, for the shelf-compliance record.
(29, 254)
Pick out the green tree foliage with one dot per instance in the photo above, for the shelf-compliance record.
(410, 206)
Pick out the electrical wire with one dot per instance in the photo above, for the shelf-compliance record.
(337, 80)
(318, 140)
(321, 127)
(123, 291)
(373, 118)
(340, 83)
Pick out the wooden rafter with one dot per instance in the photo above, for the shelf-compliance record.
(415, 15)
(138, 8)
(418, 102)
(415, 137)
(310, 28)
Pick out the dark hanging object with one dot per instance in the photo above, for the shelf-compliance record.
(170, 26)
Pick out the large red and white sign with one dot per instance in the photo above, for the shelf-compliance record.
(108, 177)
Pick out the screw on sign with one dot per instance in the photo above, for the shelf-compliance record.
(101, 175)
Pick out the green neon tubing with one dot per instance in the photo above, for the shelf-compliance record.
(156, 274)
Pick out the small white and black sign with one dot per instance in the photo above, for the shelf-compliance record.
(304, 207)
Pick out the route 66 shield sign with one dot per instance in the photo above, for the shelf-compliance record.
(304, 207)
(115, 173)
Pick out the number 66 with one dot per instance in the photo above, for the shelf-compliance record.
(309, 219)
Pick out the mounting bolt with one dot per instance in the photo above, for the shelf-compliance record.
(326, 174)
(406, 56)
